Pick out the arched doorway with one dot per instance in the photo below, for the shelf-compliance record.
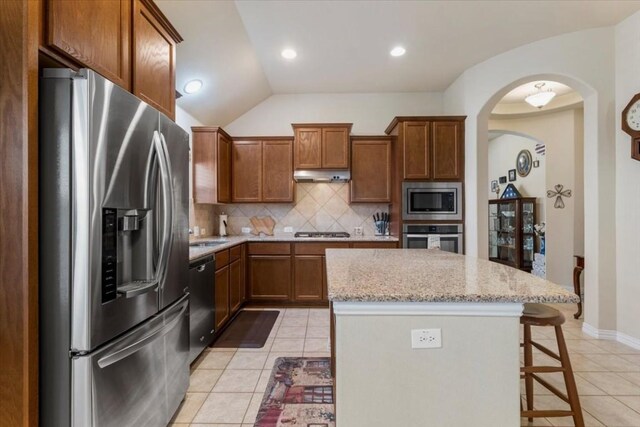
(600, 296)
(553, 137)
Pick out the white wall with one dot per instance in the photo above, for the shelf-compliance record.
(503, 151)
(585, 61)
(370, 113)
(627, 181)
(565, 235)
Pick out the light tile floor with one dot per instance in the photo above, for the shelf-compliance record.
(227, 385)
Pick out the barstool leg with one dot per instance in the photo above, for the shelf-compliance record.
(528, 361)
(569, 380)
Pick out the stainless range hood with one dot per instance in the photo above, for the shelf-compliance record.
(322, 175)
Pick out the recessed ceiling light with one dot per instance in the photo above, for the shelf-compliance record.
(289, 54)
(192, 86)
(397, 51)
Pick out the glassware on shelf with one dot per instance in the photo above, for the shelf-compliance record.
(511, 232)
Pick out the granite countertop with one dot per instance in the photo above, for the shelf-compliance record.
(229, 241)
(432, 275)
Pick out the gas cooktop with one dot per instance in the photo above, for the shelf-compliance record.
(326, 234)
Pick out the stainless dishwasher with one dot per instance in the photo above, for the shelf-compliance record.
(201, 293)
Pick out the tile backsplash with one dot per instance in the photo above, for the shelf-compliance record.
(318, 207)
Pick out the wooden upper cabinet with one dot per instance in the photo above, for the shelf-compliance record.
(417, 150)
(211, 165)
(154, 57)
(321, 146)
(448, 160)
(431, 148)
(246, 167)
(335, 148)
(277, 171)
(370, 169)
(95, 34)
(224, 168)
(308, 149)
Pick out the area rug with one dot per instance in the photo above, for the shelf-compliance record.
(300, 393)
(250, 329)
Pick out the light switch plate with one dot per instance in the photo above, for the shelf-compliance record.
(246, 230)
(288, 229)
(426, 338)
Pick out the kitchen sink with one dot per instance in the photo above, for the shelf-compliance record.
(207, 244)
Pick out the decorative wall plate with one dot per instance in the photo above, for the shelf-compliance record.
(524, 162)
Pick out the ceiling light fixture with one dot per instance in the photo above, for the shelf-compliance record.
(289, 53)
(540, 98)
(398, 51)
(192, 86)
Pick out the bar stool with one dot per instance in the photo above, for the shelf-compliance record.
(543, 315)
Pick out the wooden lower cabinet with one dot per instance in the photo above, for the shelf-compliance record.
(235, 286)
(309, 278)
(222, 296)
(269, 277)
(375, 245)
(294, 274)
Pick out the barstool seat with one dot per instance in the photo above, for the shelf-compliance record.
(543, 315)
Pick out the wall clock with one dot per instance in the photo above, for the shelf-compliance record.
(631, 124)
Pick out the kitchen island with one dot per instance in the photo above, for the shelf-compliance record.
(381, 298)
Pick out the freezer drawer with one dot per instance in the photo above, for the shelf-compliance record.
(139, 379)
(202, 305)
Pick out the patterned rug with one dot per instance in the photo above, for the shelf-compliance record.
(299, 393)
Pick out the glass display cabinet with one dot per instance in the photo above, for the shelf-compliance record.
(511, 234)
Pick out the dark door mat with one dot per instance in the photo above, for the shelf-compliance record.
(250, 329)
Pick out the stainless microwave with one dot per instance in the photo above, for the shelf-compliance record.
(427, 201)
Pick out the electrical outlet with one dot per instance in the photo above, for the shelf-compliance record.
(357, 231)
(426, 338)
(246, 230)
(288, 229)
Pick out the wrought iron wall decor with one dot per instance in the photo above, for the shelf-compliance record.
(558, 192)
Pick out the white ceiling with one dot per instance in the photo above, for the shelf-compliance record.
(216, 50)
(343, 46)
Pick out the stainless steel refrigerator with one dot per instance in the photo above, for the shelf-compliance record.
(114, 256)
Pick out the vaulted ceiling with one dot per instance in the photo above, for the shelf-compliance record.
(343, 46)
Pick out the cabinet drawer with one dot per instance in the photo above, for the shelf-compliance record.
(235, 253)
(222, 258)
(375, 245)
(318, 248)
(269, 248)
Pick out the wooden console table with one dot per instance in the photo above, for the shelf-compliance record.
(577, 271)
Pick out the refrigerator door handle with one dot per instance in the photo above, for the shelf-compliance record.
(135, 346)
(167, 207)
(133, 289)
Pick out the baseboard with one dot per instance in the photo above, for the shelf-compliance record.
(629, 340)
(608, 334)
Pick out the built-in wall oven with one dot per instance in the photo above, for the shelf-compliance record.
(449, 237)
(432, 201)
